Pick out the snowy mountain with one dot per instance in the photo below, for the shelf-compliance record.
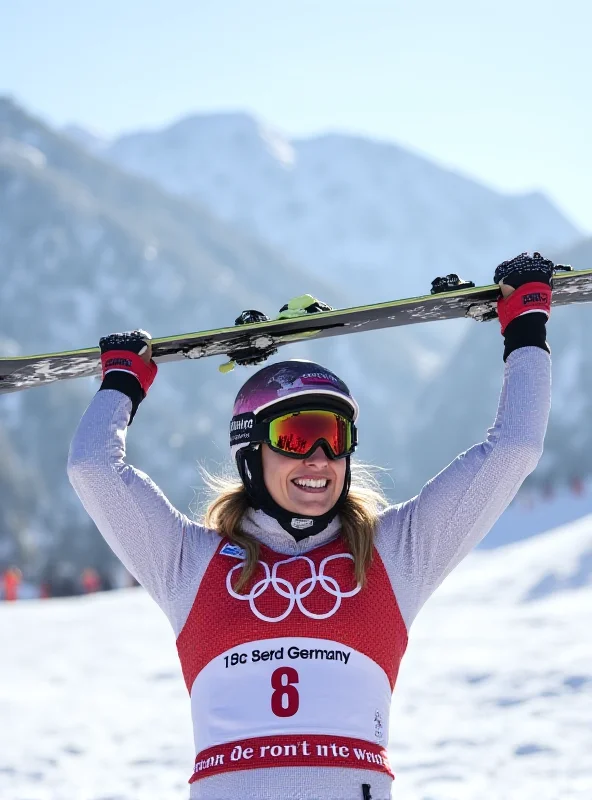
(87, 250)
(494, 697)
(380, 219)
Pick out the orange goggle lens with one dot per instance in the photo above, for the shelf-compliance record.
(298, 433)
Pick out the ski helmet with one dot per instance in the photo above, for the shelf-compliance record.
(286, 385)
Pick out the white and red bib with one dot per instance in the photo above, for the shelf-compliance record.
(296, 670)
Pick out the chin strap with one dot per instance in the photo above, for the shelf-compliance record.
(250, 467)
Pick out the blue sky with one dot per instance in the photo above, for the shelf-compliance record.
(499, 90)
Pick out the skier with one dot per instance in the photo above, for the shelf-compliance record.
(292, 602)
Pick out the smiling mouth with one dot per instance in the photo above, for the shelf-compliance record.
(311, 485)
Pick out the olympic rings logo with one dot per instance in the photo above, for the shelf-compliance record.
(295, 596)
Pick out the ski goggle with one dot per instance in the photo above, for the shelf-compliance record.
(298, 433)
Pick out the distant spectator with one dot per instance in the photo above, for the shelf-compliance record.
(12, 579)
(90, 580)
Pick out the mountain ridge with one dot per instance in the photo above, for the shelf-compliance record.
(345, 205)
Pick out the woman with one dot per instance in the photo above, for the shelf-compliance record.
(292, 603)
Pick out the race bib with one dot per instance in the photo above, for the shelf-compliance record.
(294, 685)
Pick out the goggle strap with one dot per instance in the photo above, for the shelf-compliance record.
(259, 432)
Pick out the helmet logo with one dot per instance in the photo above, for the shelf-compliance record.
(240, 428)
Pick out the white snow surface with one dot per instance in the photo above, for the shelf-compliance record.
(494, 699)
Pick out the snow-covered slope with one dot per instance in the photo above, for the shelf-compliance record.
(382, 219)
(494, 699)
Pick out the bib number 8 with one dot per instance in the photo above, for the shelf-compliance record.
(285, 699)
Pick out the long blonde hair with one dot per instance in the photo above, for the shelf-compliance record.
(358, 517)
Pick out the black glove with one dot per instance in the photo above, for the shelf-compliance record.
(523, 269)
(135, 341)
(522, 326)
(123, 369)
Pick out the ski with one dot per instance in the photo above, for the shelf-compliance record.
(254, 338)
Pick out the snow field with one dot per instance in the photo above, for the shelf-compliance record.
(494, 699)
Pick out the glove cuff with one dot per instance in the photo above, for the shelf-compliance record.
(126, 361)
(530, 297)
(529, 330)
(127, 384)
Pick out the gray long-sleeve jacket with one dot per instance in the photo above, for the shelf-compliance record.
(419, 542)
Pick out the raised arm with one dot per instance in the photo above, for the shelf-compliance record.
(160, 546)
(422, 540)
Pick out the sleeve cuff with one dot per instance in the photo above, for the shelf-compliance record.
(528, 330)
